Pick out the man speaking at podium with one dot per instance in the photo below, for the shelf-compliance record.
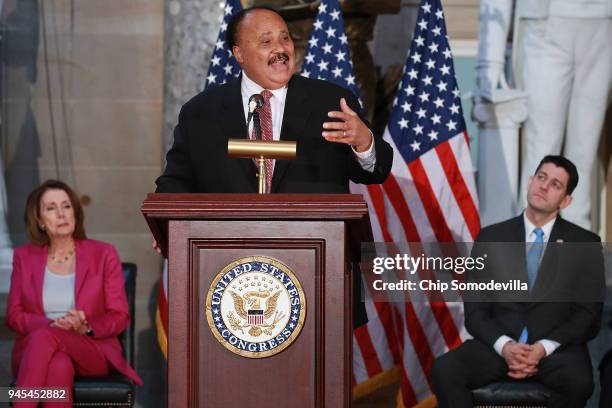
(334, 145)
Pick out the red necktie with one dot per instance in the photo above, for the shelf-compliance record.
(265, 121)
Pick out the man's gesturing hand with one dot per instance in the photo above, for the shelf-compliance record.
(350, 129)
(155, 246)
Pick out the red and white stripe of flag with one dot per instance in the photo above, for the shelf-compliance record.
(431, 199)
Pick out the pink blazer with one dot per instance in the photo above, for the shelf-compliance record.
(99, 292)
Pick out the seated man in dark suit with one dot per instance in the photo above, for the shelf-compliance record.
(544, 341)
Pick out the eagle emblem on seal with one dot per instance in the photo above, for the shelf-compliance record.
(257, 320)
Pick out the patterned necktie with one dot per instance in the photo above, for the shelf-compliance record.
(265, 120)
(533, 262)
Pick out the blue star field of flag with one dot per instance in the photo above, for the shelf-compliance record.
(327, 56)
(427, 107)
(223, 66)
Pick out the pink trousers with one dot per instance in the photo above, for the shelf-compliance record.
(53, 356)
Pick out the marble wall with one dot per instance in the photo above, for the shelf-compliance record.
(82, 101)
(191, 30)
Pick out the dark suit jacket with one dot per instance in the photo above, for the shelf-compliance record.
(563, 271)
(198, 160)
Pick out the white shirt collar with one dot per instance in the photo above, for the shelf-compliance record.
(529, 227)
(250, 87)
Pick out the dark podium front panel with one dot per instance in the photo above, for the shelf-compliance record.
(259, 304)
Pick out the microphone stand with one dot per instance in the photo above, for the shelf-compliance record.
(261, 168)
(258, 150)
(257, 125)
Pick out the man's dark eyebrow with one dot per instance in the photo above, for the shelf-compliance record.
(269, 33)
(559, 181)
(266, 34)
(554, 178)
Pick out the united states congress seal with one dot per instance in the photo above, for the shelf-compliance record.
(255, 307)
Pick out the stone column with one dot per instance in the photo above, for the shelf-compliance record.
(6, 246)
(499, 117)
(607, 153)
(191, 28)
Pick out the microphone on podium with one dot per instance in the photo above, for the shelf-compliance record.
(260, 150)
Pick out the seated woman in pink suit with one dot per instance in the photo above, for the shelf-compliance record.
(67, 300)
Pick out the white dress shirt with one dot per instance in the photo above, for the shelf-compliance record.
(248, 87)
(549, 345)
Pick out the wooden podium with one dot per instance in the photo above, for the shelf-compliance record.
(314, 237)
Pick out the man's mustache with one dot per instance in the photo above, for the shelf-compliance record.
(279, 57)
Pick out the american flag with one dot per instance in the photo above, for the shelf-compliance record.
(375, 345)
(223, 66)
(430, 196)
(327, 56)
